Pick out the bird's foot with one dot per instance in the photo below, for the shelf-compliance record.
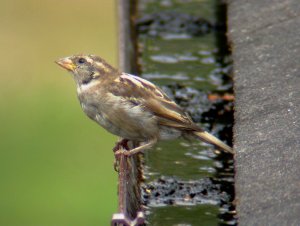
(139, 149)
(122, 151)
(120, 148)
(118, 153)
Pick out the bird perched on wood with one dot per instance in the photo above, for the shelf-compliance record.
(129, 106)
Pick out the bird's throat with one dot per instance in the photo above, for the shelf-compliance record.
(87, 86)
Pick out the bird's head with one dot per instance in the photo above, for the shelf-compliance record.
(87, 68)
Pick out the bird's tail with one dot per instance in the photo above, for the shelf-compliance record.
(208, 138)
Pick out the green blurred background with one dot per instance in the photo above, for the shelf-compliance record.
(56, 166)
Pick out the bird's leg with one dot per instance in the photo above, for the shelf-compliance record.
(138, 149)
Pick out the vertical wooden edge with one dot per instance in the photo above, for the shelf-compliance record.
(130, 171)
(126, 35)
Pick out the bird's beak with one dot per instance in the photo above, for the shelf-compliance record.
(66, 63)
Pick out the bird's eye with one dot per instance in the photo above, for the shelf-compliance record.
(81, 60)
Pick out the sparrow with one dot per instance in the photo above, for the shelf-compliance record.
(130, 106)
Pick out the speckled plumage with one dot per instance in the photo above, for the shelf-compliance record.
(129, 106)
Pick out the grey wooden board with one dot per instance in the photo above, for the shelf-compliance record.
(265, 37)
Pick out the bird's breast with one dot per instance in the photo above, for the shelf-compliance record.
(119, 116)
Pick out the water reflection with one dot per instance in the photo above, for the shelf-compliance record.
(187, 182)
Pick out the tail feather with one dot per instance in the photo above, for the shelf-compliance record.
(208, 138)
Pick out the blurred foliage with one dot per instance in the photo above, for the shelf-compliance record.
(55, 164)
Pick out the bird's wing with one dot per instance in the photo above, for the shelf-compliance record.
(142, 92)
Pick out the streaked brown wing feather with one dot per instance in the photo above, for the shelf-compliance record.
(142, 92)
(170, 114)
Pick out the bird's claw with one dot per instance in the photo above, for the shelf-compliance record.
(118, 154)
(121, 151)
